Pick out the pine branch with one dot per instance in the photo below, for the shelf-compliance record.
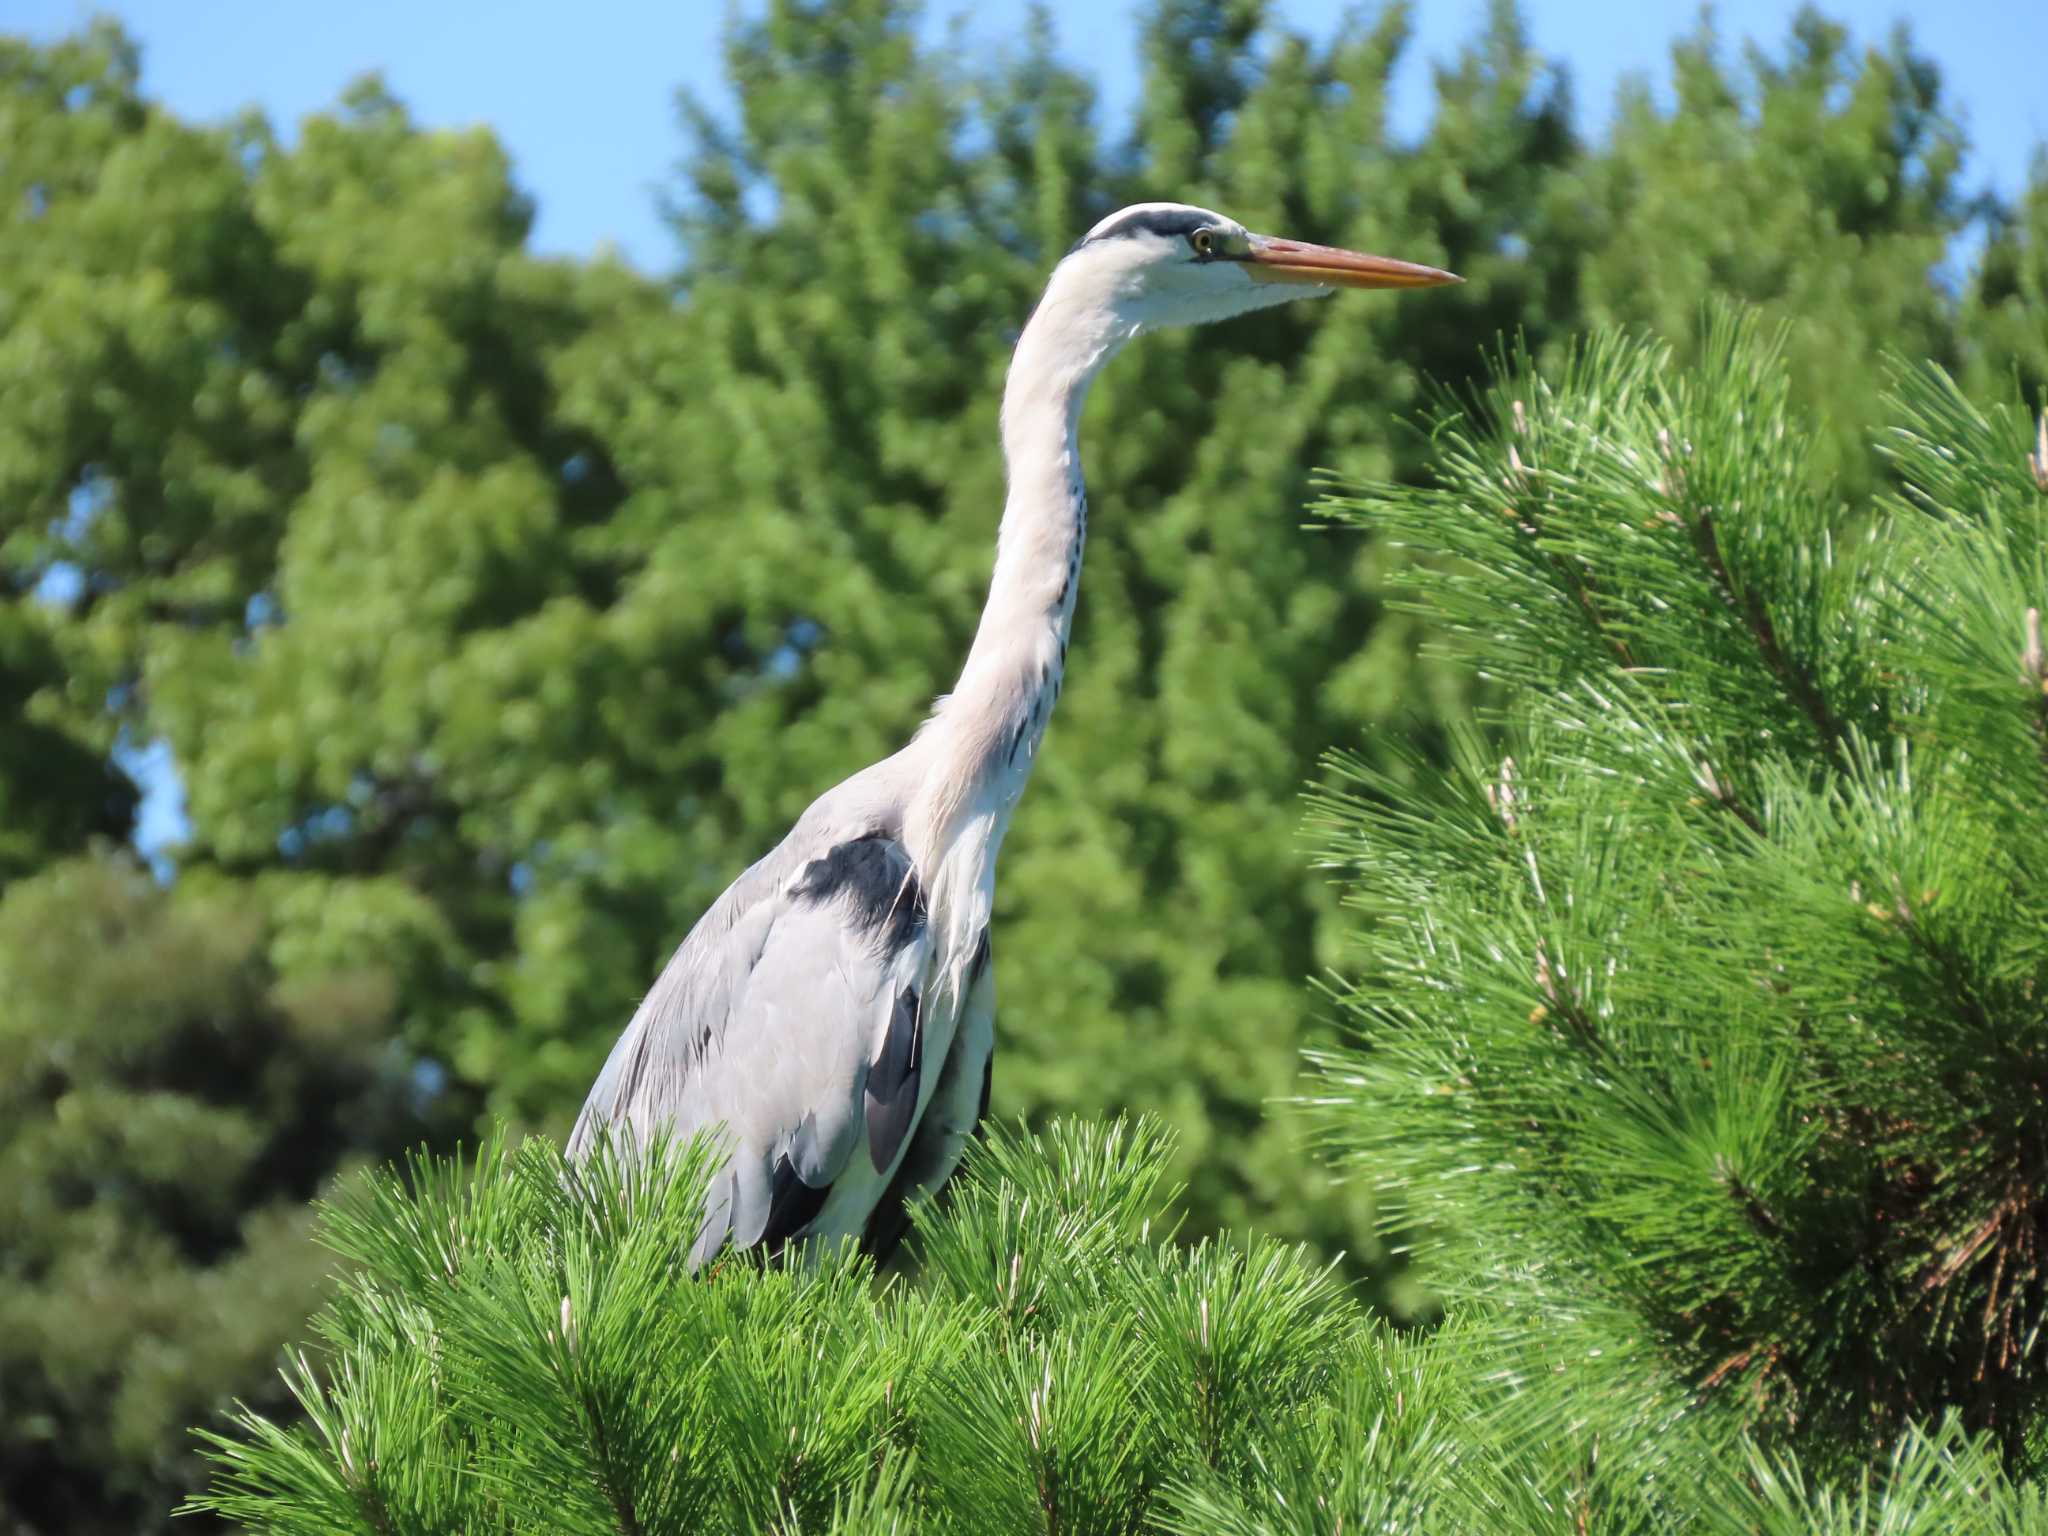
(1719, 794)
(1225, 1389)
(1743, 600)
(1573, 575)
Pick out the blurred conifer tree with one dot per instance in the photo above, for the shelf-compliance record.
(173, 1090)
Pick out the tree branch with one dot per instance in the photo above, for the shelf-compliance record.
(1804, 691)
(1523, 477)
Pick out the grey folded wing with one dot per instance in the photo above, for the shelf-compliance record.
(790, 1018)
(957, 1106)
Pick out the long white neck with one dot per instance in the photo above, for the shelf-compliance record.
(984, 736)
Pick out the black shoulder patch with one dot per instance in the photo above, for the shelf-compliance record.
(873, 876)
(893, 1079)
(1173, 223)
(792, 1204)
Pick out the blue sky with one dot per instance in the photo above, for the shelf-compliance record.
(582, 94)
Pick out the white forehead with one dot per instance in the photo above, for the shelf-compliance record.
(1164, 220)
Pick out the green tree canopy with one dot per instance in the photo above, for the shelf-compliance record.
(1820, 184)
(2009, 294)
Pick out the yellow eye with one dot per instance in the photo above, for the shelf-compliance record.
(1204, 242)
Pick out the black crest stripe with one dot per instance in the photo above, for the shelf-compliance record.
(1172, 223)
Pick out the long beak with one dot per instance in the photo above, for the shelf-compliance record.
(1325, 266)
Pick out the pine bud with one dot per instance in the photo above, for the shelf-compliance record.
(1501, 796)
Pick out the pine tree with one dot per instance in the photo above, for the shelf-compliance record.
(519, 1348)
(1702, 1045)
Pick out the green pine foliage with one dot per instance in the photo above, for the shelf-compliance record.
(519, 1347)
(1701, 1035)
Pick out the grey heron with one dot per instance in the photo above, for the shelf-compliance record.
(834, 1010)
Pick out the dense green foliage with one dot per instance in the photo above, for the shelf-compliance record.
(495, 611)
(1701, 1010)
(154, 1173)
(520, 1351)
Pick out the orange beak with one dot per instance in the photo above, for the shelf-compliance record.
(1325, 266)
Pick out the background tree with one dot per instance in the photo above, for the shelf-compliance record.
(183, 1070)
(171, 1096)
(58, 787)
(1820, 184)
(2008, 293)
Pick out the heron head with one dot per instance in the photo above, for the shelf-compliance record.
(1157, 264)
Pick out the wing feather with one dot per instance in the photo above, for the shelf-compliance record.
(789, 1017)
(893, 1080)
(959, 1104)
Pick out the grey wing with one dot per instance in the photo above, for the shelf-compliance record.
(959, 1104)
(790, 1017)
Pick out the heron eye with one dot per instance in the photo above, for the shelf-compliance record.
(1204, 242)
